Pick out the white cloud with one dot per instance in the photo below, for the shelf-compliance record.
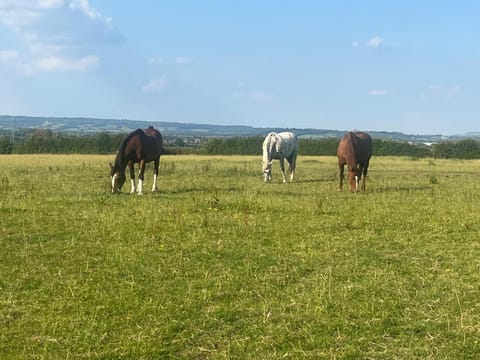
(156, 60)
(58, 35)
(255, 95)
(45, 48)
(375, 42)
(92, 13)
(7, 56)
(377, 92)
(179, 60)
(183, 60)
(50, 4)
(17, 14)
(56, 63)
(155, 85)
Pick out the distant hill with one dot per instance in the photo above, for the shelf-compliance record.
(93, 125)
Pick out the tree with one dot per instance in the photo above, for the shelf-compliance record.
(6, 145)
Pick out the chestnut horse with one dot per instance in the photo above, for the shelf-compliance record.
(354, 150)
(140, 146)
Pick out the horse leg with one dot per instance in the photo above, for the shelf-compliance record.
(340, 176)
(282, 167)
(156, 163)
(290, 167)
(293, 165)
(132, 176)
(358, 175)
(141, 172)
(365, 170)
(289, 161)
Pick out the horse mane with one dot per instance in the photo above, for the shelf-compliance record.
(353, 140)
(349, 147)
(123, 146)
(267, 146)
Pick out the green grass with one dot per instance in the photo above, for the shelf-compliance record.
(218, 265)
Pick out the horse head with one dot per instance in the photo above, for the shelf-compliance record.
(268, 149)
(354, 175)
(118, 179)
(267, 171)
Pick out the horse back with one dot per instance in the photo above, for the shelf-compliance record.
(144, 145)
(287, 143)
(152, 132)
(355, 148)
(363, 147)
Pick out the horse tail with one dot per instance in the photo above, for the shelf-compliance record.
(159, 138)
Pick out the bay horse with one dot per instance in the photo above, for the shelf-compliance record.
(140, 146)
(279, 146)
(355, 151)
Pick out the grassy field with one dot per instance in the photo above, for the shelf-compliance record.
(218, 265)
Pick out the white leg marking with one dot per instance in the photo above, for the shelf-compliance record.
(113, 182)
(140, 187)
(154, 186)
(132, 191)
(356, 182)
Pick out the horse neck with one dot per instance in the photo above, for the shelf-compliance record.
(120, 162)
(268, 151)
(351, 154)
(121, 159)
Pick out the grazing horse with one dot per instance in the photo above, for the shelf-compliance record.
(354, 150)
(140, 146)
(280, 146)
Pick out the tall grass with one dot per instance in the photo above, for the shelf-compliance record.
(219, 265)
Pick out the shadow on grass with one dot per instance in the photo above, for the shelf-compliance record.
(199, 189)
(313, 181)
(393, 189)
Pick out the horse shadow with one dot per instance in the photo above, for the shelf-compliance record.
(395, 189)
(199, 189)
(312, 181)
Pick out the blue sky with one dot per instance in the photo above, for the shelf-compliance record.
(409, 66)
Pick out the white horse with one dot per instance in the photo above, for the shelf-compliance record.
(279, 146)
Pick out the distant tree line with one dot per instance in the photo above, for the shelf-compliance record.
(47, 141)
(462, 149)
